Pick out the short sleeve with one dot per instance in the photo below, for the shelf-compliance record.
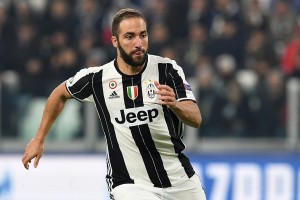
(177, 81)
(80, 86)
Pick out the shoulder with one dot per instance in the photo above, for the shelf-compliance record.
(158, 59)
(155, 59)
(95, 69)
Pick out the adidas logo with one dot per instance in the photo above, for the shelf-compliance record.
(113, 95)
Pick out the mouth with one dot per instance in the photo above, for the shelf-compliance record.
(138, 53)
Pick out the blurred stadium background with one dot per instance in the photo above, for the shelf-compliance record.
(242, 58)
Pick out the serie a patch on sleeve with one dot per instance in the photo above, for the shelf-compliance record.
(187, 87)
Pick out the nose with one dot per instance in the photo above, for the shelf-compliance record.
(138, 42)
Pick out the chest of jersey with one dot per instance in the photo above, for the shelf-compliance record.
(131, 100)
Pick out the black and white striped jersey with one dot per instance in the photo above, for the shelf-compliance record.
(144, 139)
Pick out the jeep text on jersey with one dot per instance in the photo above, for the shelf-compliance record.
(136, 116)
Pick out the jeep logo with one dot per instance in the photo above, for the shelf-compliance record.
(136, 116)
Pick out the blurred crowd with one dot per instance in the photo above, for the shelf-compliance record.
(239, 53)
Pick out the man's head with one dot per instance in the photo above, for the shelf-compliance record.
(130, 36)
(122, 15)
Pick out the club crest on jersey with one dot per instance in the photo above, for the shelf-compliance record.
(151, 90)
(132, 92)
(112, 84)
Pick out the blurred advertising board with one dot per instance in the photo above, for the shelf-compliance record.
(58, 177)
(258, 176)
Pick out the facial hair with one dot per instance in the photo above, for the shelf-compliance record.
(129, 59)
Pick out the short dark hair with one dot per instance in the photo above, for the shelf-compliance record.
(124, 14)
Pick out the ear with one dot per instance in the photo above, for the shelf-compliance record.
(114, 41)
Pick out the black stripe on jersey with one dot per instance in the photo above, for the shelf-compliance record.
(167, 75)
(151, 157)
(119, 174)
(82, 89)
(175, 81)
(143, 139)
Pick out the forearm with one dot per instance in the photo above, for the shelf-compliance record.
(188, 112)
(53, 108)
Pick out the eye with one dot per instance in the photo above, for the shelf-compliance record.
(129, 37)
(144, 35)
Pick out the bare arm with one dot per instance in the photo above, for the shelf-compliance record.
(53, 108)
(187, 111)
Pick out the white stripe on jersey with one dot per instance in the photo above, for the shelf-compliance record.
(176, 93)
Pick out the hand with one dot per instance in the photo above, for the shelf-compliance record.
(167, 95)
(34, 149)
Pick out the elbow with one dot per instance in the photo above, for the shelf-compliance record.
(197, 119)
(197, 122)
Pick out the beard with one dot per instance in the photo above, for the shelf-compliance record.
(128, 58)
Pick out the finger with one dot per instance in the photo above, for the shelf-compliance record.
(26, 162)
(156, 83)
(158, 86)
(26, 165)
(166, 93)
(166, 87)
(165, 90)
(168, 102)
(24, 157)
(167, 98)
(37, 160)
